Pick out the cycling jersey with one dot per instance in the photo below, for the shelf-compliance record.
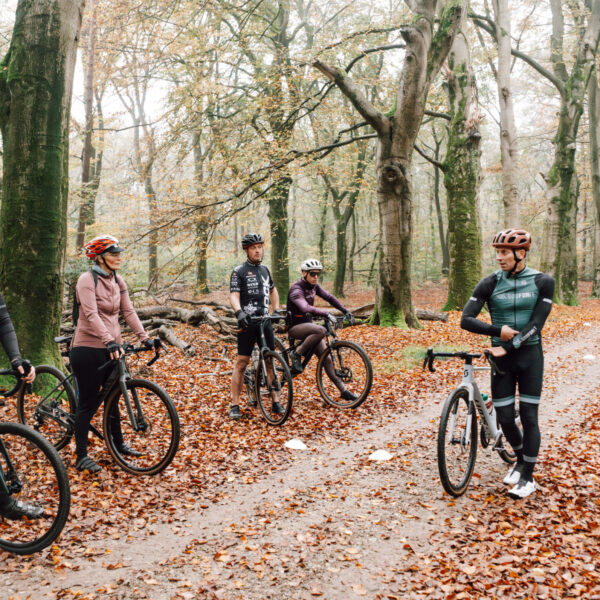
(523, 302)
(301, 299)
(254, 284)
(8, 337)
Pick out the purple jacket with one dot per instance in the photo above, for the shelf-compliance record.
(301, 299)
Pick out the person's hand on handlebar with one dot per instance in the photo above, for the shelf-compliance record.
(242, 318)
(114, 350)
(152, 344)
(25, 368)
(507, 333)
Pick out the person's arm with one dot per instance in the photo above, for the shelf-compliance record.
(297, 296)
(129, 313)
(481, 295)
(330, 298)
(8, 336)
(274, 298)
(86, 294)
(541, 310)
(234, 300)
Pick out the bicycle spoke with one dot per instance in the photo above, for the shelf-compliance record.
(274, 388)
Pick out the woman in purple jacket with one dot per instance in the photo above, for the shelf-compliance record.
(300, 305)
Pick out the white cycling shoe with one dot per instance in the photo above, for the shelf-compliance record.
(523, 489)
(513, 476)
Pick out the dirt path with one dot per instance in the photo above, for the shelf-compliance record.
(330, 524)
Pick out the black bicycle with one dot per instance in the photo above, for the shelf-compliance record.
(151, 428)
(350, 363)
(268, 379)
(31, 471)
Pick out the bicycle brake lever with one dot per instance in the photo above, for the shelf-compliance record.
(153, 359)
(495, 369)
(429, 358)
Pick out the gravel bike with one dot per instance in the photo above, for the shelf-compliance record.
(151, 427)
(457, 434)
(32, 472)
(350, 362)
(267, 378)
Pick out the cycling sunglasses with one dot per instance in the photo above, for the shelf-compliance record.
(314, 273)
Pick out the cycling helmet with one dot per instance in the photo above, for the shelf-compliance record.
(252, 238)
(101, 244)
(512, 238)
(311, 264)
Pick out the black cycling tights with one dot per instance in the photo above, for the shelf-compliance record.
(526, 446)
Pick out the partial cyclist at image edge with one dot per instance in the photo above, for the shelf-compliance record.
(251, 292)
(9, 507)
(519, 300)
(300, 305)
(101, 295)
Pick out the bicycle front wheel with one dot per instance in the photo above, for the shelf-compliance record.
(48, 405)
(457, 442)
(350, 365)
(152, 442)
(274, 390)
(35, 475)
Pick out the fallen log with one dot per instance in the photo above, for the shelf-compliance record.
(168, 335)
(365, 312)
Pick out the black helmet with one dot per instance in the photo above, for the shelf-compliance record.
(252, 238)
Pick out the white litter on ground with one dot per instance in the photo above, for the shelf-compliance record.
(380, 455)
(586, 324)
(589, 357)
(295, 444)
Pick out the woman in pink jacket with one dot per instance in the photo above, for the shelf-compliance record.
(102, 296)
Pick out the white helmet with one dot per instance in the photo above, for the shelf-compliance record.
(311, 264)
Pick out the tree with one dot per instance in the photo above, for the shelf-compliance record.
(36, 79)
(426, 50)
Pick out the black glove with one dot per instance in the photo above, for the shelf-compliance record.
(151, 344)
(242, 319)
(112, 346)
(350, 318)
(21, 362)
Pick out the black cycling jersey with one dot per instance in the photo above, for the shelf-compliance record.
(254, 284)
(8, 337)
(522, 302)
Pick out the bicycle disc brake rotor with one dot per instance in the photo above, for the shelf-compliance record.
(345, 374)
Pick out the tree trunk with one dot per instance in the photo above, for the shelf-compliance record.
(153, 237)
(438, 208)
(202, 228)
(594, 118)
(278, 203)
(508, 138)
(462, 171)
(36, 79)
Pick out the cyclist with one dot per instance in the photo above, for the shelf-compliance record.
(9, 507)
(300, 305)
(102, 296)
(251, 291)
(519, 300)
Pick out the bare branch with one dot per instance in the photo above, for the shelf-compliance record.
(438, 164)
(433, 113)
(370, 51)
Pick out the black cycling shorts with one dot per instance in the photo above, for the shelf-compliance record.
(524, 367)
(249, 336)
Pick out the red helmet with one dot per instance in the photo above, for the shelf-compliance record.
(101, 244)
(512, 238)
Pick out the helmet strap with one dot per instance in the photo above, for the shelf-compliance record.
(517, 261)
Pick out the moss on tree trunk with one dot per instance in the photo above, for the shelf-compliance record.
(35, 99)
(278, 218)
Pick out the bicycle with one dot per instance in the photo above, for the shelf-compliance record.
(350, 362)
(268, 379)
(457, 434)
(32, 471)
(152, 427)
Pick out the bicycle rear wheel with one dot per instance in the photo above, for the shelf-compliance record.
(457, 442)
(350, 364)
(48, 405)
(156, 436)
(34, 474)
(274, 389)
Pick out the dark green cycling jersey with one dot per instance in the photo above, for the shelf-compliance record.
(523, 302)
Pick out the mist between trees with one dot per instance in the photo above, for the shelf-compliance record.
(390, 140)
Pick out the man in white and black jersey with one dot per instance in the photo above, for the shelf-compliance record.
(251, 292)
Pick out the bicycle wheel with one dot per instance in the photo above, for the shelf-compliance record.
(156, 436)
(274, 390)
(48, 405)
(350, 364)
(457, 443)
(34, 474)
(280, 349)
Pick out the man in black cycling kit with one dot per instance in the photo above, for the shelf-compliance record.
(251, 290)
(9, 507)
(519, 300)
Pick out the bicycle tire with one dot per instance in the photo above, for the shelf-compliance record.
(39, 478)
(354, 369)
(160, 418)
(280, 349)
(285, 391)
(45, 404)
(457, 401)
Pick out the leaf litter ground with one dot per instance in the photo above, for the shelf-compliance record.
(239, 516)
